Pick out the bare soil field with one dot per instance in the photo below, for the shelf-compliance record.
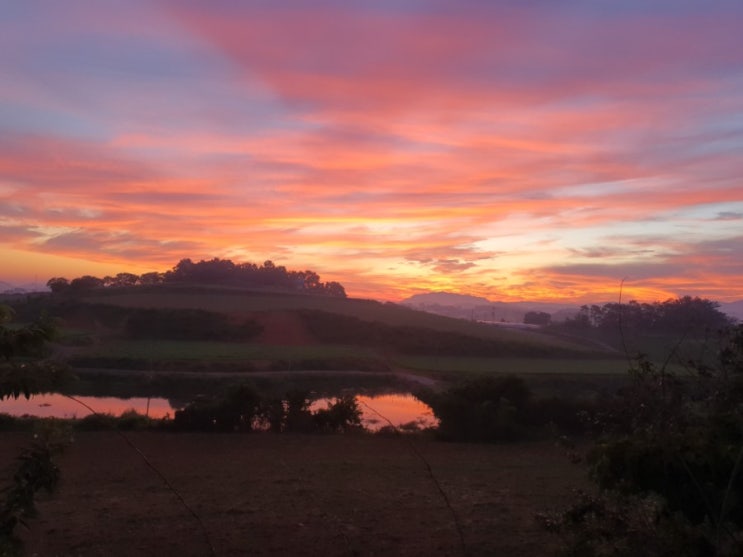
(264, 494)
(282, 328)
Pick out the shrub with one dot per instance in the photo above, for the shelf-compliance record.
(482, 409)
(236, 411)
(188, 324)
(677, 441)
(133, 420)
(341, 415)
(96, 422)
(36, 470)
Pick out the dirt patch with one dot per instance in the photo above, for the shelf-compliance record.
(283, 328)
(262, 494)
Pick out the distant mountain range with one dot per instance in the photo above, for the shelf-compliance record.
(8, 288)
(481, 309)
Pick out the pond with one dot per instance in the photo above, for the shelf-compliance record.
(400, 408)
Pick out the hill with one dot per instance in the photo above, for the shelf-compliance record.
(200, 328)
(251, 302)
(463, 306)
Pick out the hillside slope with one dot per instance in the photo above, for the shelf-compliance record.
(249, 303)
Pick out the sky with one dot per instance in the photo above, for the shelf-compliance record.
(517, 150)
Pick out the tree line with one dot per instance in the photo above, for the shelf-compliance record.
(682, 315)
(215, 271)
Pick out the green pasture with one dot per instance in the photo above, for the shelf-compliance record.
(219, 351)
(238, 301)
(515, 366)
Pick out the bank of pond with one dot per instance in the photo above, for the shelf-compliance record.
(484, 409)
(399, 410)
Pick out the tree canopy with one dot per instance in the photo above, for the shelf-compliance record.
(680, 315)
(210, 272)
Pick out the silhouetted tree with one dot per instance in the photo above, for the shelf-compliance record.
(124, 279)
(86, 282)
(151, 278)
(682, 315)
(537, 318)
(58, 284)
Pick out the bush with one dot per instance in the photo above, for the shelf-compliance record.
(7, 422)
(133, 420)
(483, 409)
(341, 415)
(677, 441)
(36, 470)
(187, 324)
(236, 411)
(97, 422)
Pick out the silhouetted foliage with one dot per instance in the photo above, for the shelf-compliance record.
(494, 409)
(214, 272)
(340, 415)
(187, 324)
(225, 272)
(243, 409)
(58, 284)
(345, 329)
(85, 283)
(236, 411)
(22, 373)
(685, 315)
(36, 470)
(537, 318)
(673, 446)
(482, 409)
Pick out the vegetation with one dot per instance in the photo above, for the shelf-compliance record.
(243, 409)
(22, 374)
(496, 409)
(668, 462)
(213, 272)
(188, 324)
(343, 329)
(686, 316)
(36, 470)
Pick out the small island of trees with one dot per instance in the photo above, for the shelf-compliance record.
(214, 272)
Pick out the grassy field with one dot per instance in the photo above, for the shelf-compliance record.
(220, 351)
(516, 366)
(237, 301)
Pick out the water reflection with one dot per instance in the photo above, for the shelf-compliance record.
(377, 411)
(390, 409)
(60, 406)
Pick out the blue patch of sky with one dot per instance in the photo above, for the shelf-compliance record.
(17, 118)
(722, 134)
(611, 8)
(119, 80)
(596, 189)
(712, 211)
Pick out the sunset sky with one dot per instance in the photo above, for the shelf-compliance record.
(533, 149)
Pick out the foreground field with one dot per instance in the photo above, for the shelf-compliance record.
(298, 495)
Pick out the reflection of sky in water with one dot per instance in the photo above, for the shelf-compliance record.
(60, 406)
(399, 409)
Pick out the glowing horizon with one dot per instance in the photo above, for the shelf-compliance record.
(513, 151)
